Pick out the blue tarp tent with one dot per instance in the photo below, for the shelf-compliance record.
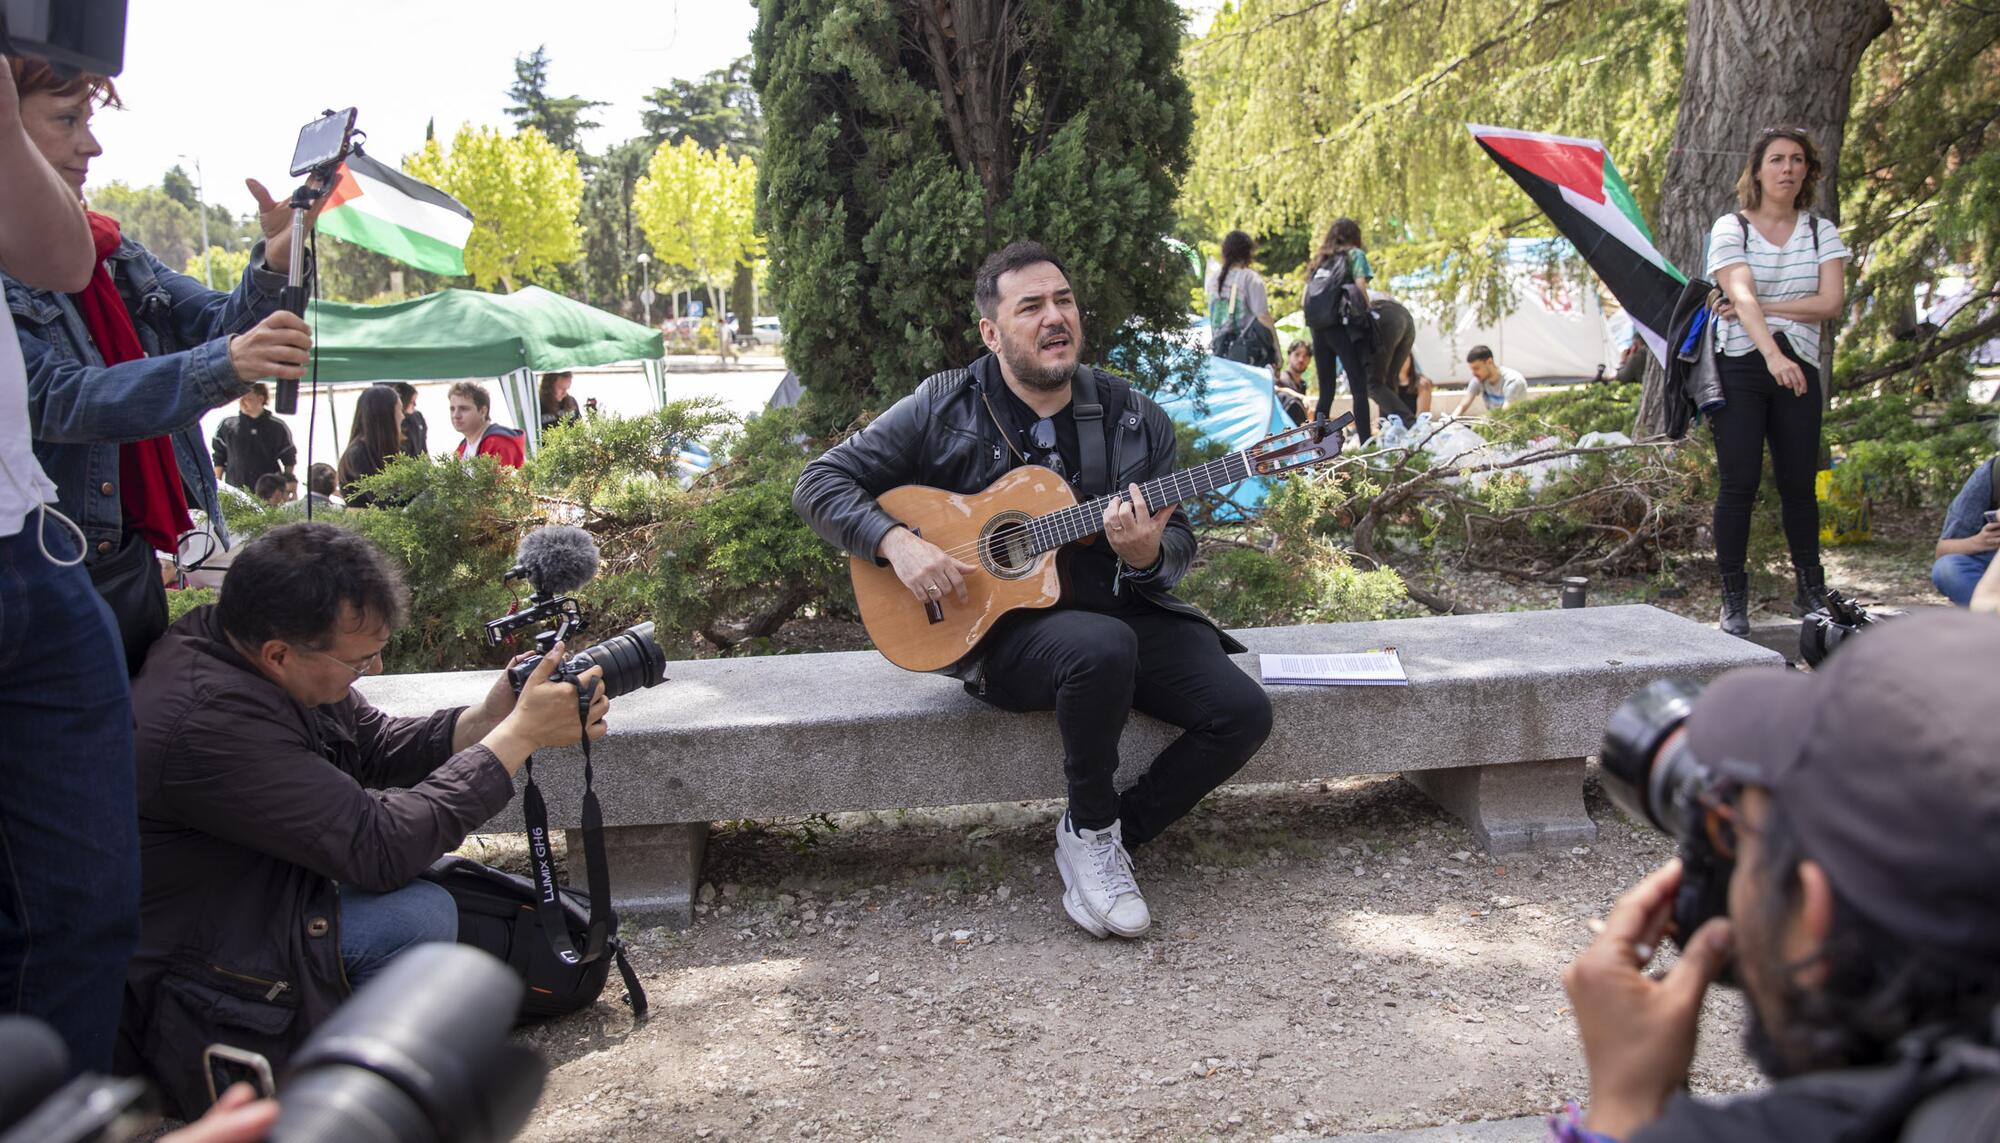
(1241, 409)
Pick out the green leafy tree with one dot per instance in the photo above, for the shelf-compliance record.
(904, 143)
(524, 194)
(1923, 163)
(179, 187)
(153, 218)
(561, 118)
(716, 111)
(225, 264)
(612, 237)
(1363, 114)
(698, 209)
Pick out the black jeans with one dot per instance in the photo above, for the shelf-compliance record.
(1333, 343)
(1759, 411)
(1093, 669)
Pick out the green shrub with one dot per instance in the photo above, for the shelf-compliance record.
(181, 602)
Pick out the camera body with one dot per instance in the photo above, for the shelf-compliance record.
(1653, 774)
(631, 659)
(1820, 632)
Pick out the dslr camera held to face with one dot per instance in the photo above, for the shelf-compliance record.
(1654, 775)
(555, 561)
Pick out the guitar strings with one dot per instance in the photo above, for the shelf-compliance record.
(1052, 530)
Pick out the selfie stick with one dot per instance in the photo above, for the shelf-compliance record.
(294, 296)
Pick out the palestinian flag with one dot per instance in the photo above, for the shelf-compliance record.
(382, 209)
(1577, 185)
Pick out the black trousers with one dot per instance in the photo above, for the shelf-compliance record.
(1093, 669)
(1332, 343)
(1760, 412)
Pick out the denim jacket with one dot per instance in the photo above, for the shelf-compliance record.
(81, 411)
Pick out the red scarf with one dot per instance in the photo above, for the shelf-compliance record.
(154, 503)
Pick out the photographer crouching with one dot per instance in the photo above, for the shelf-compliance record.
(1840, 851)
(283, 819)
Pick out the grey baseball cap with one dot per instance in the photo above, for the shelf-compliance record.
(1887, 764)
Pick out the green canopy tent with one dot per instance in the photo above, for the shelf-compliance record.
(466, 333)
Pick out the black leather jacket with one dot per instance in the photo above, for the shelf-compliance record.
(944, 436)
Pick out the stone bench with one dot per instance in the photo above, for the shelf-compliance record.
(1495, 725)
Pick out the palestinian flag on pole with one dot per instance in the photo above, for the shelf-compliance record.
(382, 209)
(1577, 185)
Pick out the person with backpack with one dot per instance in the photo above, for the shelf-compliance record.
(1336, 306)
(1971, 535)
(1782, 270)
(1240, 324)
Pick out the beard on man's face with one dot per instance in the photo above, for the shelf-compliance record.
(1024, 360)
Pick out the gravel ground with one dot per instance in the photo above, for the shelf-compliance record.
(1325, 958)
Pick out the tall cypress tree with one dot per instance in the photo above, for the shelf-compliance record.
(907, 139)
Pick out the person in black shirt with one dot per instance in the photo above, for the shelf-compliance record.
(1118, 640)
(416, 434)
(252, 443)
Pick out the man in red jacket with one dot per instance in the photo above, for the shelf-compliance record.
(471, 416)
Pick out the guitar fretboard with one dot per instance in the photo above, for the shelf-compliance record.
(1068, 525)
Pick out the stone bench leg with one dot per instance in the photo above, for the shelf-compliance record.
(1515, 807)
(655, 871)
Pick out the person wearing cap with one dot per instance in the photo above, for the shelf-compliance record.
(1864, 907)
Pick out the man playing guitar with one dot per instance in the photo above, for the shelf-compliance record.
(1117, 641)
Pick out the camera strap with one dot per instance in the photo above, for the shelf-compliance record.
(548, 905)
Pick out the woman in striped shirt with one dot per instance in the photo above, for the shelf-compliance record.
(1782, 270)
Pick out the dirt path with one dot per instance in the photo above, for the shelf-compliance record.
(1324, 959)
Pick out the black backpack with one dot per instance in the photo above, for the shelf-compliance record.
(1324, 287)
(536, 925)
(1334, 298)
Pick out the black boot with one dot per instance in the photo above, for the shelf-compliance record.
(1735, 604)
(1812, 590)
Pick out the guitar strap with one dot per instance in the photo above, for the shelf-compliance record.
(1089, 416)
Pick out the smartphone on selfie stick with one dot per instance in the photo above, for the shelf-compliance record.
(323, 144)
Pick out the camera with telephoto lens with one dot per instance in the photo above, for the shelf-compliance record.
(1653, 774)
(420, 1054)
(1823, 630)
(556, 561)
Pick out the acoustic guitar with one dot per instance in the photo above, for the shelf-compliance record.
(1010, 532)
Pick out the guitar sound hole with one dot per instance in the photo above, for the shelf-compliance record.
(1005, 549)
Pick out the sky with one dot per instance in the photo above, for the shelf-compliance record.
(230, 82)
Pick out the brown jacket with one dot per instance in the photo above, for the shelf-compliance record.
(253, 809)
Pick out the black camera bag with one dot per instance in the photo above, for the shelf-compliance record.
(536, 924)
(499, 913)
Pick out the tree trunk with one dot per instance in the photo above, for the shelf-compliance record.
(1753, 64)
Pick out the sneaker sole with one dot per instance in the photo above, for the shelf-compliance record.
(1073, 905)
(1082, 906)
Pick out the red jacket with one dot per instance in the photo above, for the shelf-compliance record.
(501, 443)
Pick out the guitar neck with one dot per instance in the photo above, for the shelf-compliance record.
(1087, 519)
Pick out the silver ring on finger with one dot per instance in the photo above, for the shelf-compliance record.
(931, 587)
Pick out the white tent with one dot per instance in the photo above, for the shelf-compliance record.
(1554, 329)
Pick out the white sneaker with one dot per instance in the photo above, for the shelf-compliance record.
(1098, 890)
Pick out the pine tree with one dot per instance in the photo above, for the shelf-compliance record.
(904, 142)
(561, 118)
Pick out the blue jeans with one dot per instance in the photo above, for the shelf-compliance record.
(69, 819)
(375, 928)
(1956, 576)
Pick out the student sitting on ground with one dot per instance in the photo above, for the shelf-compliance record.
(1965, 548)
